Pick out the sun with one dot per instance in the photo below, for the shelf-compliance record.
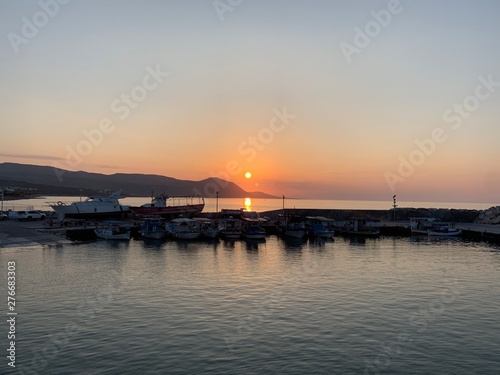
(248, 175)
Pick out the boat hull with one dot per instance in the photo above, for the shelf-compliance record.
(293, 233)
(362, 233)
(107, 235)
(169, 211)
(449, 233)
(255, 236)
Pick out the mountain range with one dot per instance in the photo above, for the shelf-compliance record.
(52, 181)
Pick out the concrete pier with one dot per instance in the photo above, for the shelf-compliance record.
(39, 233)
(30, 233)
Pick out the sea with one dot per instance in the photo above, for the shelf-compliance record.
(256, 204)
(412, 305)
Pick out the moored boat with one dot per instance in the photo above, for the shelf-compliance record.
(153, 228)
(184, 229)
(251, 229)
(230, 228)
(92, 207)
(171, 207)
(319, 226)
(432, 227)
(208, 229)
(113, 231)
(362, 227)
(292, 226)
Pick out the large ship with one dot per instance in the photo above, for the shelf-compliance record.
(92, 207)
(171, 207)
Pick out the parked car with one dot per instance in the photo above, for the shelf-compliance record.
(26, 215)
(3, 216)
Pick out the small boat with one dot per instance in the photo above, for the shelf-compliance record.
(208, 229)
(292, 226)
(230, 228)
(264, 222)
(432, 227)
(184, 229)
(92, 207)
(421, 225)
(171, 207)
(362, 227)
(113, 231)
(444, 230)
(153, 228)
(251, 229)
(319, 226)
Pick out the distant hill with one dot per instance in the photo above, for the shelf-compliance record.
(49, 180)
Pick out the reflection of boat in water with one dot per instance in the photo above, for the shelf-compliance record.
(362, 227)
(292, 226)
(113, 231)
(92, 207)
(153, 228)
(184, 229)
(171, 207)
(319, 226)
(432, 227)
(252, 230)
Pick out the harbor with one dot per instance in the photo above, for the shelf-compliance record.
(49, 232)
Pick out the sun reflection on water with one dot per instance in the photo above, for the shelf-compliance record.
(248, 204)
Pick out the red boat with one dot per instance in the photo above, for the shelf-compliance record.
(171, 207)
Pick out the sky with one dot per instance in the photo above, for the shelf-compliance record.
(317, 99)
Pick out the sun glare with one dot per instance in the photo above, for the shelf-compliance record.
(248, 175)
(248, 204)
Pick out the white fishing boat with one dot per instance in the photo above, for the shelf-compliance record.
(251, 229)
(444, 230)
(432, 227)
(208, 229)
(184, 229)
(292, 226)
(319, 226)
(92, 207)
(153, 228)
(113, 231)
(362, 227)
(264, 222)
(230, 228)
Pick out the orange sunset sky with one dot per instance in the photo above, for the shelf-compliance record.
(317, 99)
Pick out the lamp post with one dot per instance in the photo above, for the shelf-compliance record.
(217, 203)
(1, 209)
(394, 206)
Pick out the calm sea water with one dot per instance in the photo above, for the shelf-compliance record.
(392, 306)
(259, 205)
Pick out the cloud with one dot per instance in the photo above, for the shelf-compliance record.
(29, 156)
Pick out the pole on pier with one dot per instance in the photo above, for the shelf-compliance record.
(394, 206)
(1, 209)
(217, 202)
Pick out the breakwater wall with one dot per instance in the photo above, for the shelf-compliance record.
(399, 214)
